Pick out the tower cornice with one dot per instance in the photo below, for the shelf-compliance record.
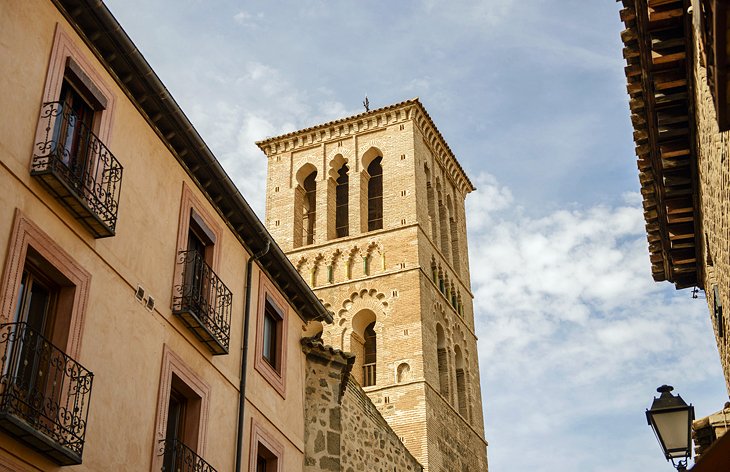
(409, 110)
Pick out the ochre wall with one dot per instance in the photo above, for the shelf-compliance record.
(122, 342)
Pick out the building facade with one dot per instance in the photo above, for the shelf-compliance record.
(677, 80)
(370, 210)
(147, 319)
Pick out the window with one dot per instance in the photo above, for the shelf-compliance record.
(182, 414)
(443, 222)
(43, 298)
(271, 335)
(182, 429)
(431, 208)
(375, 194)
(442, 359)
(71, 159)
(342, 219)
(266, 461)
(267, 453)
(461, 392)
(454, 229)
(370, 357)
(717, 305)
(200, 298)
(310, 208)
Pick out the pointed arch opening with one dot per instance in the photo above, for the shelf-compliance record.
(309, 212)
(373, 186)
(342, 195)
(432, 221)
(454, 230)
(443, 222)
(364, 345)
(461, 393)
(442, 354)
(305, 206)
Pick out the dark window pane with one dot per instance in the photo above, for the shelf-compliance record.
(310, 207)
(375, 195)
(342, 221)
(270, 340)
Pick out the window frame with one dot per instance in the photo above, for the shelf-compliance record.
(173, 373)
(274, 375)
(261, 437)
(192, 210)
(69, 59)
(71, 306)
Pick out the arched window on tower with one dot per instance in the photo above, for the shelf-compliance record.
(431, 208)
(454, 227)
(461, 393)
(370, 356)
(375, 194)
(443, 222)
(342, 192)
(442, 355)
(309, 215)
(363, 343)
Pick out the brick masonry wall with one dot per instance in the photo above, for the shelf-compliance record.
(713, 162)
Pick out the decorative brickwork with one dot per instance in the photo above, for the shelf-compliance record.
(410, 277)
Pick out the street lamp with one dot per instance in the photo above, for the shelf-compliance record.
(671, 419)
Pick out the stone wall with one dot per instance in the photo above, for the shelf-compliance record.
(343, 429)
(713, 156)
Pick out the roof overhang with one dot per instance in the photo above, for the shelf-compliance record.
(93, 21)
(658, 50)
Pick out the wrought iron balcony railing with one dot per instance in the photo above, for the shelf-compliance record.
(368, 375)
(44, 394)
(203, 302)
(180, 458)
(78, 169)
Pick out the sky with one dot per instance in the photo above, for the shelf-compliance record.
(574, 335)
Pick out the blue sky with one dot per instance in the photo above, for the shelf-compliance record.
(530, 95)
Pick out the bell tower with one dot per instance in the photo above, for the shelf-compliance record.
(370, 210)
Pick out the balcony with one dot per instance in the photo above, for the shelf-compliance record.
(203, 302)
(44, 394)
(180, 458)
(78, 170)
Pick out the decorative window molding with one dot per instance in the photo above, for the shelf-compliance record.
(174, 366)
(265, 446)
(67, 57)
(26, 234)
(192, 208)
(274, 374)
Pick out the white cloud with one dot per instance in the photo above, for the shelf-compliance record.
(572, 327)
(245, 18)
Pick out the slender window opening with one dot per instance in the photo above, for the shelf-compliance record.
(271, 344)
(442, 356)
(370, 356)
(342, 192)
(461, 392)
(310, 207)
(375, 194)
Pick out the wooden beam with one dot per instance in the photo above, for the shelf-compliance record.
(660, 15)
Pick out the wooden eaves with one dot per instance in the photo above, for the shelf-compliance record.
(658, 51)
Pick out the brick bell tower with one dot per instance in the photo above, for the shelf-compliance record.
(370, 210)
